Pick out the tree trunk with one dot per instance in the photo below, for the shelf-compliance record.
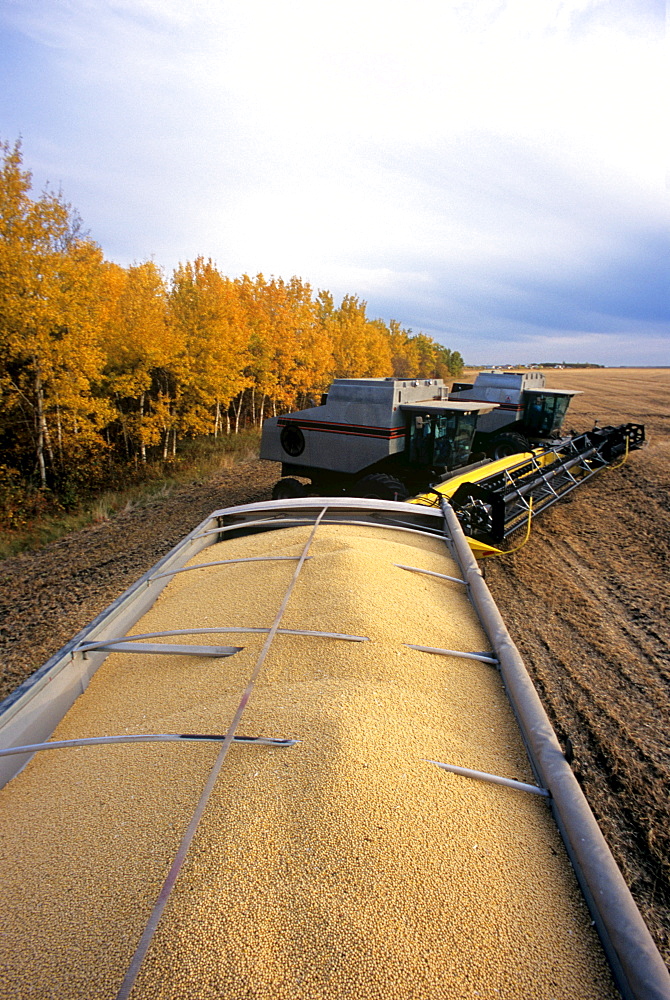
(40, 424)
(59, 434)
(143, 449)
(47, 441)
(122, 421)
(237, 410)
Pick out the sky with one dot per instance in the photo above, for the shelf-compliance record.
(493, 173)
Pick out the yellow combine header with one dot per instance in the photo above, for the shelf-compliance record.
(493, 499)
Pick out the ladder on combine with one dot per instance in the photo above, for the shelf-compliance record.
(493, 504)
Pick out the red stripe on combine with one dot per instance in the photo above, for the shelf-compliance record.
(361, 430)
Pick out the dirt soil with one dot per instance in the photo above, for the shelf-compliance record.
(587, 601)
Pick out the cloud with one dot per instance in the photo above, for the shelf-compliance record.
(474, 169)
(546, 262)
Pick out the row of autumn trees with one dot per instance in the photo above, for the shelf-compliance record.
(102, 365)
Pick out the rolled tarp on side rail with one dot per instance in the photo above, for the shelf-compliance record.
(638, 967)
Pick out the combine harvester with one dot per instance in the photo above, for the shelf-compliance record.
(389, 439)
(302, 758)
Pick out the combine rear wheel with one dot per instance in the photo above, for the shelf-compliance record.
(288, 489)
(379, 486)
(508, 443)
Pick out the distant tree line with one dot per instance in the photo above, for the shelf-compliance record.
(103, 366)
(568, 364)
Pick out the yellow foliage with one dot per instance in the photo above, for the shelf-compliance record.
(99, 358)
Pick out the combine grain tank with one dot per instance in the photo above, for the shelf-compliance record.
(301, 758)
(373, 437)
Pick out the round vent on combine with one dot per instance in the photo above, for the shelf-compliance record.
(292, 440)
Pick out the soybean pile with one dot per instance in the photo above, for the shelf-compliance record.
(348, 865)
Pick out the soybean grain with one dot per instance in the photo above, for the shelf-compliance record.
(345, 866)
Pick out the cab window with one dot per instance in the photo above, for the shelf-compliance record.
(442, 440)
(544, 413)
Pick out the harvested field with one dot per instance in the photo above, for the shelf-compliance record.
(586, 600)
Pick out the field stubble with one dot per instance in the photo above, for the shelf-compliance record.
(586, 601)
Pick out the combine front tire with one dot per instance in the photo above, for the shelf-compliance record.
(508, 443)
(288, 489)
(379, 486)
